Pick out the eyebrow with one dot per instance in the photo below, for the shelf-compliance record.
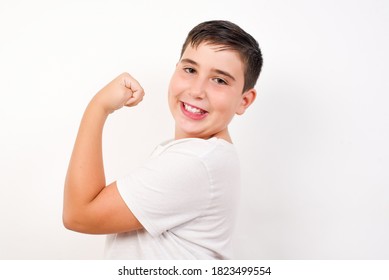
(221, 72)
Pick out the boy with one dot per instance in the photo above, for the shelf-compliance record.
(180, 204)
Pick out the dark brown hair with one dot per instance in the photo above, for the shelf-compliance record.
(230, 37)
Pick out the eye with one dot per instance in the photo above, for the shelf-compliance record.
(189, 70)
(220, 81)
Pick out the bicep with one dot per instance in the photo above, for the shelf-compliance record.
(108, 213)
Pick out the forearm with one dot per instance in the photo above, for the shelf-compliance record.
(85, 177)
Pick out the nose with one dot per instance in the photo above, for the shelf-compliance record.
(198, 88)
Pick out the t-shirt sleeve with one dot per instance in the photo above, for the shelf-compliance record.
(167, 191)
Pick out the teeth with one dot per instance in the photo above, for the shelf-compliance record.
(192, 109)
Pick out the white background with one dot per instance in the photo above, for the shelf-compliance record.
(313, 147)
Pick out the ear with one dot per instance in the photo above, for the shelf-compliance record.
(247, 99)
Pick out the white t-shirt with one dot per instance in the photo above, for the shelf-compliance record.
(185, 197)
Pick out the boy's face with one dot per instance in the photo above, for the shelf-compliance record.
(205, 92)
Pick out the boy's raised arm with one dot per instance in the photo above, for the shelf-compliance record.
(90, 206)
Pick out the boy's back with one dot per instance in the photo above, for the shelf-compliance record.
(185, 197)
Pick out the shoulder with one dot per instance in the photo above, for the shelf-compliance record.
(200, 148)
(193, 159)
(214, 157)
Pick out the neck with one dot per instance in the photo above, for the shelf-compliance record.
(224, 134)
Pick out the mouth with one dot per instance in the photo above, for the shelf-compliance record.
(193, 112)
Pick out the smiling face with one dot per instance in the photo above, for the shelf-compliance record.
(205, 92)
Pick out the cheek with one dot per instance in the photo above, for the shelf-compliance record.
(224, 102)
(176, 85)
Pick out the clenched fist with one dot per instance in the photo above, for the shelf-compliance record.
(124, 90)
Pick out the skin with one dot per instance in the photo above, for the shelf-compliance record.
(89, 206)
(206, 77)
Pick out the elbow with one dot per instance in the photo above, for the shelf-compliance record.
(72, 222)
(69, 221)
(78, 221)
